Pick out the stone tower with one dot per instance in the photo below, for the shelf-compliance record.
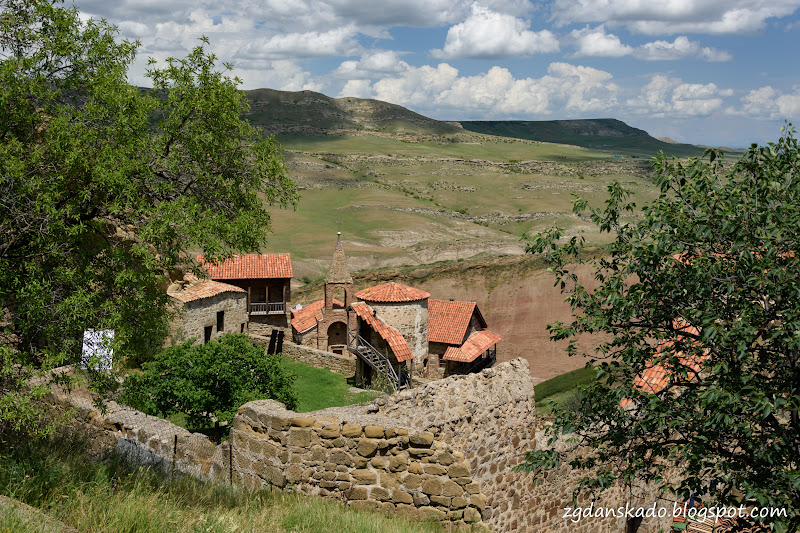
(332, 328)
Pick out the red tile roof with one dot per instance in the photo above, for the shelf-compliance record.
(197, 289)
(448, 320)
(392, 337)
(392, 292)
(250, 266)
(306, 318)
(656, 377)
(475, 345)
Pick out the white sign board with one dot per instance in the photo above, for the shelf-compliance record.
(97, 344)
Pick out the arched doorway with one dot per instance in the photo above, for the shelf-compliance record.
(337, 337)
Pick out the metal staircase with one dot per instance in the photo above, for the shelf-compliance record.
(375, 359)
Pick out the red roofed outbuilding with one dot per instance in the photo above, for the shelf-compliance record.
(266, 278)
(458, 340)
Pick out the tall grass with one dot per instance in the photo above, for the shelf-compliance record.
(57, 478)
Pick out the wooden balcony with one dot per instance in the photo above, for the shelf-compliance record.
(267, 308)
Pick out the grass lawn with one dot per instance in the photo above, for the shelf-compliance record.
(318, 388)
(58, 479)
(561, 388)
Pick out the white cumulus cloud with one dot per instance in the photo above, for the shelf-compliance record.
(489, 34)
(680, 48)
(572, 89)
(768, 102)
(676, 16)
(596, 42)
(672, 97)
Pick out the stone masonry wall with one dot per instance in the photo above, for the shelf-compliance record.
(341, 453)
(490, 417)
(362, 460)
(411, 320)
(197, 315)
(443, 450)
(341, 364)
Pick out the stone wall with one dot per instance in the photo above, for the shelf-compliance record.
(195, 316)
(362, 460)
(443, 450)
(341, 364)
(411, 320)
(490, 417)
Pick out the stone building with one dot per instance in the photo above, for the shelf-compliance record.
(419, 336)
(324, 323)
(266, 278)
(394, 329)
(206, 309)
(458, 341)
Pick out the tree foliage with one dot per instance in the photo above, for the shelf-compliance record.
(105, 186)
(209, 382)
(708, 274)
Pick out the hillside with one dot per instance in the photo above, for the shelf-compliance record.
(308, 112)
(605, 134)
(283, 113)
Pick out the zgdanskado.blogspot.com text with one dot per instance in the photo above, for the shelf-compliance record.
(702, 514)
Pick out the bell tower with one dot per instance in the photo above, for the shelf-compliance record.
(332, 328)
(338, 276)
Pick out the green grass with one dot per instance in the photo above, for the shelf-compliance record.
(561, 388)
(108, 496)
(318, 388)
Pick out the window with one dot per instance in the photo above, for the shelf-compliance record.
(241, 330)
(442, 362)
(220, 320)
(207, 331)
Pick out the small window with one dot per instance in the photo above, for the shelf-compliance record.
(241, 330)
(220, 320)
(207, 331)
(442, 362)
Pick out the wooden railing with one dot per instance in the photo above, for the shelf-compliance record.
(267, 308)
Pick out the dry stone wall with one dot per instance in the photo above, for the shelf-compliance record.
(341, 364)
(362, 460)
(490, 417)
(444, 450)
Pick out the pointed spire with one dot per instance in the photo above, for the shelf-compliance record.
(338, 272)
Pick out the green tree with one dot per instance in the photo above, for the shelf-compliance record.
(209, 382)
(104, 187)
(708, 274)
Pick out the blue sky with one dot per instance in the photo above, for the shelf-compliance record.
(717, 72)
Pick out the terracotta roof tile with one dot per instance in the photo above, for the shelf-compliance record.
(198, 289)
(475, 345)
(250, 266)
(392, 292)
(448, 320)
(654, 378)
(392, 337)
(306, 318)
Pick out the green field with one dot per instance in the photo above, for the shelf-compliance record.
(562, 389)
(318, 388)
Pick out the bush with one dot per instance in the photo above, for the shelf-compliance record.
(209, 382)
